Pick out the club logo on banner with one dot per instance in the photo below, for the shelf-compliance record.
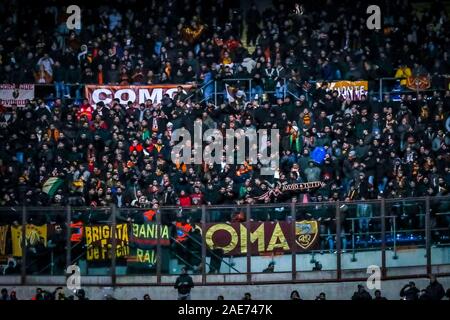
(306, 232)
(352, 90)
(33, 235)
(418, 83)
(16, 94)
(135, 94)
(99, 241)
(265, 237)
(3, 235)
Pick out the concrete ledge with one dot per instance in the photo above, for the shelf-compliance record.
(440, 269)
(406, 271)
(46, 280)
(308, 291)
(218, 278)
(10, 280)
(316, 275)
(137, 280)
(278, 276)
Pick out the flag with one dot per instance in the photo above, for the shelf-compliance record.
(51, 185)
(3, 235)
(33, 234)
(418, 83)
(231, 93)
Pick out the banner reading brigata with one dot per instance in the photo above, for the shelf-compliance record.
(348, 89)
(135, 94)
(99, 241)
(16, 94)
(265, 237)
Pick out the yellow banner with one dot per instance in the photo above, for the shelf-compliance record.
(33, 234)
(99, 241)
(3, 235)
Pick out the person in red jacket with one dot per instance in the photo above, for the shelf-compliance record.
(86, 110)
(197, 196)
(185, 200)
(136, 146)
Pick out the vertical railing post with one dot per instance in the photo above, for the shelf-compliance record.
(215, 92)
(383, 238)
(338, 242)
(68, 237)
(158, 246)
(428, 233)
(24, 244)
(381, 90)
(293, 243)
(250, 88)
(113, 244)
(249, 254)
(203, 222)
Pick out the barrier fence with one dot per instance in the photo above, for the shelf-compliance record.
(333, 241)
(220, 90)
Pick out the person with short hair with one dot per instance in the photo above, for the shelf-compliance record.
(184, 284)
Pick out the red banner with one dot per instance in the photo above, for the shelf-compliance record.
(135, 94)
(265, 237)
(418, 83)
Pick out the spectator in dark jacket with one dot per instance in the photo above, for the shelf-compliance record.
(361, 294)
(434, 291)
(184, 284)
(410, 292)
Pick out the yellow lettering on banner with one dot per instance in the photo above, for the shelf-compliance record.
(165, 232)
(135, 230)
(89, 254)
(122, 232)
(222, 227)
(96, 254)
(95, 234)
(140, 254)
(257, 235)
(88, 235)
(105, 232)
(146, 256)
(105, 249)
(278, 240)
(142, 231)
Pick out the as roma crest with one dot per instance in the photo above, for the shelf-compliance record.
(306, 232)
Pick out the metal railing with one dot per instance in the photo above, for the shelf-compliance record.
(388, 231)
(216, 89)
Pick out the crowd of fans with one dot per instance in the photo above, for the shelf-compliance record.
(434, 291)
(121, 154)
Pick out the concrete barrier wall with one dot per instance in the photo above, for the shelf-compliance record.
(334, 291)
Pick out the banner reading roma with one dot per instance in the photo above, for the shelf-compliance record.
(99, 241)
(265, 237)
(16, 94)
(3, 235)
(135, 94)
(348, 89)
(33, 234)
